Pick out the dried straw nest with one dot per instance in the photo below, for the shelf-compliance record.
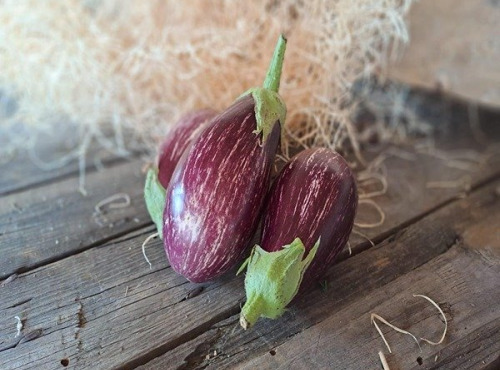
(120, 73)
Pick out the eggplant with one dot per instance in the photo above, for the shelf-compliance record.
(177, 141)
(216, 193)
(157, 179)
(310, 212)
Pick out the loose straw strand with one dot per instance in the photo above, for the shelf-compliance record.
(364, 236)
(381, 319)
(374, 317)
(379, 210)
(109, 201)
(383, 360)
(144, 248)
(444, 318)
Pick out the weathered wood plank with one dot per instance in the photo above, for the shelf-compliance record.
(195, 353)
(19, 173)
(477, 350)
(431, 178)
(468, 289)
(53, 221)
(103, 308)
(348, 338)
(436, 256)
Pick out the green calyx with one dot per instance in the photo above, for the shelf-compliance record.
(154, 195)
(272, 280)
(269, 107)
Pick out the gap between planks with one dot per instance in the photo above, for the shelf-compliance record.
(142, 229)
(41, 226)
(71, 173)
(404, 224)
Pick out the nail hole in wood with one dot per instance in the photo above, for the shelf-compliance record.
(65, 362)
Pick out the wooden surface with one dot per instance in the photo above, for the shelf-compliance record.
(454, 47)
(87, 299)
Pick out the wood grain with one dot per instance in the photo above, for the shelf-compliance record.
(348, 337)
(104, 307)
(332, 328)
(99, 313)
(54, 221)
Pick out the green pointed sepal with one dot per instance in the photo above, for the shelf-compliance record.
(272, 280)
(269, 109)
(154, 196)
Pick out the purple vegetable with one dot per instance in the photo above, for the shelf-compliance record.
(157, 179)
(216, 193)
(177, 141)
(307, 221)
(313, 196)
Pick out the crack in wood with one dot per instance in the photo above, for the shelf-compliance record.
(139, 300)
(148, 273)
(124, 238)
(210, 348)
(82, 321)
(199, 357)
(494, 365)
(23, 338)
(100, 243)
(193, 293)
(476, 342)
(63, 176)
(20, 303)
(32, 335)
(392, 233)
(183, 338)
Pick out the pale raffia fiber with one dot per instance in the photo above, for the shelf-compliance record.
(121, 72)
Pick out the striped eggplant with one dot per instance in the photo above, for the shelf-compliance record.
(310, 211)
(157, 179)
(216, 193)
(177, 141)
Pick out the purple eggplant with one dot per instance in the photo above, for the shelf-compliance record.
(216, 193)
(307, 222)
(313, 197)
(157, 179)
(177, 141)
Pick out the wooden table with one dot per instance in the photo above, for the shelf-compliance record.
(85, 298)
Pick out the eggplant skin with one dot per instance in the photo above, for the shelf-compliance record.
(313, 196)
(216, 193)
(178, 140)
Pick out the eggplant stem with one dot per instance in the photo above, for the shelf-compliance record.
(251, 311)
(273, 76)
